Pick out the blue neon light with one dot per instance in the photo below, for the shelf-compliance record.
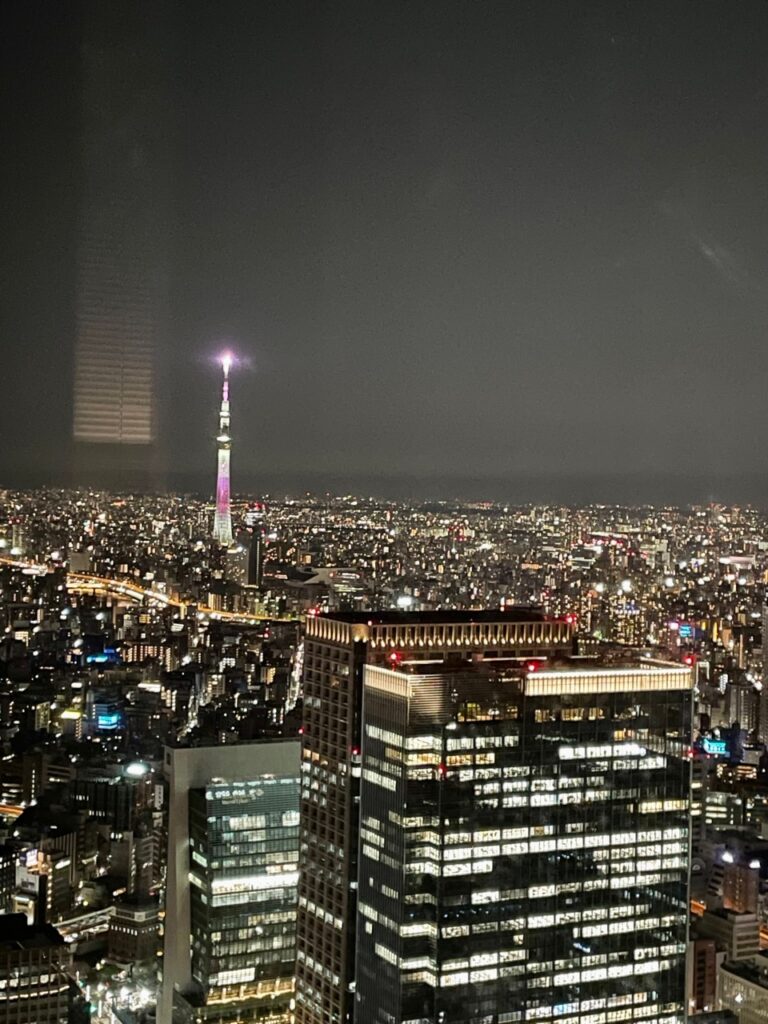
(108, 721)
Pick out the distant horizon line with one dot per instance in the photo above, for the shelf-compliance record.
(630, 490)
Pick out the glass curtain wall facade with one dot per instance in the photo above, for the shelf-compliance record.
(243, 840)
(337, 649)
(524, 845)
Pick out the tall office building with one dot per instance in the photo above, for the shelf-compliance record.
(121, 295)
(524, 844)
(702, 975)
(337, 648)
(255, 557)
(245, 559)
(230, 920)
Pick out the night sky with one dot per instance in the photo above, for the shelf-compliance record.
(511, 250)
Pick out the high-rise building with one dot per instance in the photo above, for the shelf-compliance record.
(121, 289)
(255, 557)
(222, 523)
(524, 838)
(741, 887)
(118, 795)
(35, 966)
(237, 563)
(702, 975)
(8, 856)
(230, 920)
(336, 649)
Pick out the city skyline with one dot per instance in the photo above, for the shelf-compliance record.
(447, 703)
(529, 714)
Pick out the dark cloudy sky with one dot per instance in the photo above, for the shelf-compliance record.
(514, 249)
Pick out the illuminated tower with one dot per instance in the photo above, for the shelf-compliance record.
(222, 523)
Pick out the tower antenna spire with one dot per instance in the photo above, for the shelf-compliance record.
(222, 522)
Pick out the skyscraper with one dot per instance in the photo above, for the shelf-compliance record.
(337, 648)
(222, 523)
(230, 921)
(524, 843)
(121, 280)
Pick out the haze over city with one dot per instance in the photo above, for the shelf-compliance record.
(507, 250)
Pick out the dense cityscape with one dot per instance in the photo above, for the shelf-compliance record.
(143, 662)
(280, 753)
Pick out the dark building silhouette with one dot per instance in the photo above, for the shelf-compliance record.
(337, 649)
(35, 966)
(524, 842)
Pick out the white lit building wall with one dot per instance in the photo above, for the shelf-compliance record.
(743, 989)
(526, 854)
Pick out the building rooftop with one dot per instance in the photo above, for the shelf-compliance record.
(730, 915)
(538, 665)
(754, 970)
(17, 933)
(717, 1017)
(518, 613)
(542, 677)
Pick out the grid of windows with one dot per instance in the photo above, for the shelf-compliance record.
(35, 965)
(522, 858)
(336, 650)
(243, 881)
(327, 852)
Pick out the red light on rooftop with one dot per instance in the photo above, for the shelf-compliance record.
(689, 660)
(532, 666)
(395, 657)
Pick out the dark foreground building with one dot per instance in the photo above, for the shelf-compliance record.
(35, 968)
(524, 843)
(338, 647)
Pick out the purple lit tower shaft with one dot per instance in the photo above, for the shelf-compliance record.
(222, 523)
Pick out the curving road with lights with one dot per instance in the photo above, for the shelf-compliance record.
(85, 583)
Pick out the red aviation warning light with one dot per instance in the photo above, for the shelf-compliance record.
(395, 657)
